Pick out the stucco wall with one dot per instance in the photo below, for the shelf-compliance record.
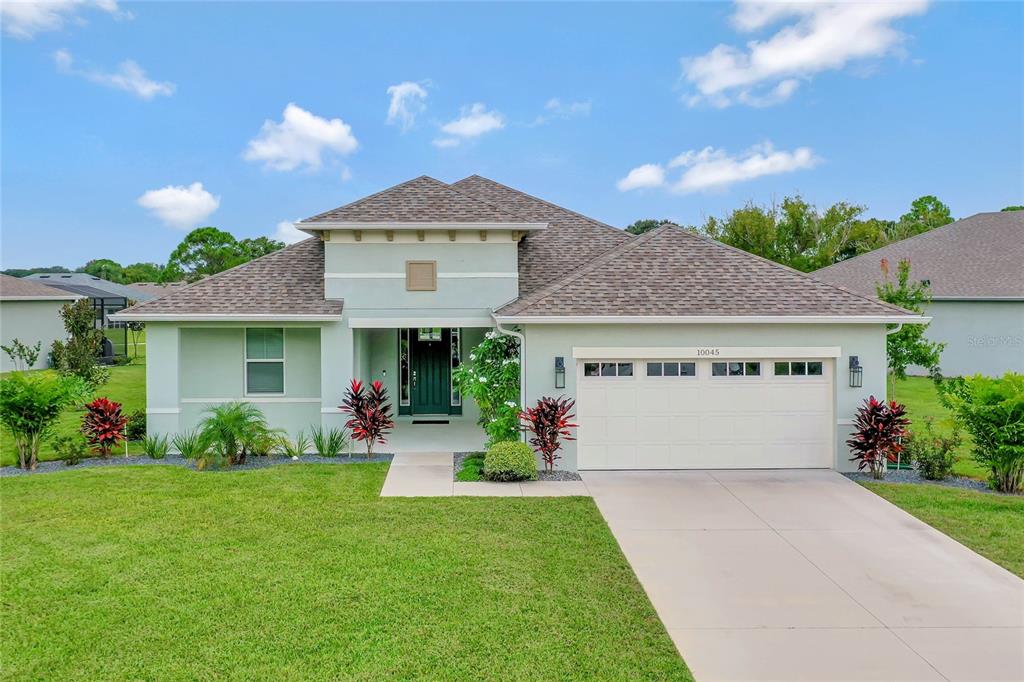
(981, 337)
(30, 322)
(545, 342)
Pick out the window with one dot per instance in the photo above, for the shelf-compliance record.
(737, 368)
(403, 367)
(264, 361)
(798, 368)
(607, 369)
(429, 334)
(671, 369)
(421, 275)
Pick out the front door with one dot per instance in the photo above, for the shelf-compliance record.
(431, 370)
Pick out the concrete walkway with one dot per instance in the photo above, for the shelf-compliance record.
(804, 575)
(430, 474)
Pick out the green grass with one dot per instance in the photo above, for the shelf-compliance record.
(472, 468)
(922, 401)
(137, 350)
(127, 386)
(303, 572)
(991, 525)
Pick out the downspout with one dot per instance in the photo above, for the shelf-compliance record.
(899, 326)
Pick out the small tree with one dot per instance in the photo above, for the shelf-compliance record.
(103, 424)
(491, 378)
(550, 420)
(369, 413)
(22, 355)
(30, 405)
(908, 346)
(78, 354)
(135, 329)
(880, 426)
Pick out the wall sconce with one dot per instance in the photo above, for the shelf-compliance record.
(856, 372)
(559, 372)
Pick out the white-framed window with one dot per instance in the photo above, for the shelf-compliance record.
(264, 361)
(428, 334)
(456, 360)
(672, 368)
(799, 368)
(609, 368)
(736, 368)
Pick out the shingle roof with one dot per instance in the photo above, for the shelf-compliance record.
(285, 282)
(19, 287)
(675, 272)
(419, 200)
(977, 257)
(97, 287)
(570, 240)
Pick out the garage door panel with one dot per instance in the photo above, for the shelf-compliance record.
(684, 428)
(595, 428)
(622, 399)
(655, 429)
(621, 429)
(683, 400)
(654, 400)
(592, 402)
(795, 427)
(731, 427)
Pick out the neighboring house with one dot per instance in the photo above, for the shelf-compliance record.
(680, 352)
(107, 297)
(30, 312)
(975, 268)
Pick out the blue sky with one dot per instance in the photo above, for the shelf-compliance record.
(112, 113)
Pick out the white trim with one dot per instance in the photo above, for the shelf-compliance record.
(408, 226)
(440, 275)
(163, 410)
(712, 319)
(977, 299)
(221, 317)
(332, 410)
(43, 298)
(705, 352)
(393, 322)
(256, 398)
(845, 422)
(246, 360)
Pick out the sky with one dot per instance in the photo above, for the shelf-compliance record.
(124, 125)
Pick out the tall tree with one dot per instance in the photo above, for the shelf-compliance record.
(205, 251)
(908, 346)
(926, 213)
(142, 272)
(25, 272)
(258, 247)
(104, 268)
(645, 225)
(1014, 208)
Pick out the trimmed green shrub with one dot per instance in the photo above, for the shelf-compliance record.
(933, 454)
(30, 405)
(510, 461)
(472, 468)
(135, 429)
(156, 447)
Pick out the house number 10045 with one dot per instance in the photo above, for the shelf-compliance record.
(707, 352)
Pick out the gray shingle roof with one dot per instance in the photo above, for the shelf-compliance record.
(88, 285)
(675, 272)
(286, 282)
(419, 200)
(19, 287)
(977, 257)
(570, 240)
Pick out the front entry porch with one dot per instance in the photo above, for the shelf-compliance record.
(460, 434)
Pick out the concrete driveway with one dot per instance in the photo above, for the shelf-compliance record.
(805, 575)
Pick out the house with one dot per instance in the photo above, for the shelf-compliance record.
(30, 312)
(681, 352)
(975, 268)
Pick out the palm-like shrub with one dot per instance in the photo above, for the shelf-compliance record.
(103, 425)
(294, 448)
(231, 429)
(30, 405)
(550, 422)
(329, 442)
(156, 446)
(192, 446)
(369, 413)
(880, 426)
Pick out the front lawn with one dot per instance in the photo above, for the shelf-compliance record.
(991, 525)
(303, 572)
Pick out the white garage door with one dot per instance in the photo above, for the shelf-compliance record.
(705, 414)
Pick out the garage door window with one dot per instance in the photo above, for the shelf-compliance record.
(671, 369)
(607, 369)
(798, 368)
(736, 369)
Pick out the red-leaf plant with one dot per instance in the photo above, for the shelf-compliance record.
(369, 413)
(103, 424)
(879, 428)
(549, 421)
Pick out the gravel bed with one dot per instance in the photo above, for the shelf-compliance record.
(556, 475)
(177, 460)
(912, 476)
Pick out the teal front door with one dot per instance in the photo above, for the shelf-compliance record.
(431, 370)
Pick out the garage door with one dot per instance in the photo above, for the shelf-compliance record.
(705, 414)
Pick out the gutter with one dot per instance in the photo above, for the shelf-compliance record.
(898, 327)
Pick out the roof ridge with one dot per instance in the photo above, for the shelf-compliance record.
(545, 202)
(371, 196)
(493, 205)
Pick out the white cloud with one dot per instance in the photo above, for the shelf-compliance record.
(820, 37)
(446, 142)
(647, 175)
(23, 19)
(288, 233)
(555, 108)
(129, 77)
(300, 139)
(179, 206)
(408, 100)
(473, 122)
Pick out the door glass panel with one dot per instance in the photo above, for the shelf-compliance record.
(687, 369)
(735, 369)
(671, 369)
(429, 334)
(654, 369)
(718, 369)
(591, 369)
(607, 369)
(781, 369)
(814, 369)
(625, 369)
(753, 369)
(798, 368)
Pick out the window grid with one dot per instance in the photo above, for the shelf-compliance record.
(799, 368)
(672, 369)
(736, 368)
(259, 342)
(608, 369)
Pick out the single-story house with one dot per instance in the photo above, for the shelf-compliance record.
(975, 269)
(680, 352)
(30, 312)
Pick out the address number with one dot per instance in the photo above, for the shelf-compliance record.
(707, 352)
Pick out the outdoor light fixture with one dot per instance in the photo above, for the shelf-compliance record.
(559, 372)
(856, 372)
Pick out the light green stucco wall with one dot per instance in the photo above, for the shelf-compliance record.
(981, 337)
(30, 322)
(545, 342)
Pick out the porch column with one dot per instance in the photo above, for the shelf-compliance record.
(336, 367)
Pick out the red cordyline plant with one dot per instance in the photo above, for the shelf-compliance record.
(369, 413)
(879, 428)
(103, 424)
(549, 421)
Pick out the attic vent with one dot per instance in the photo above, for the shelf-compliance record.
(421, 275)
